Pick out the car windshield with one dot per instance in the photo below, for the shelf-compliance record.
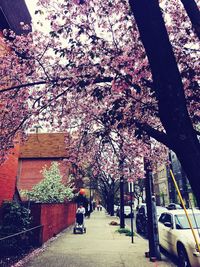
(182, 222)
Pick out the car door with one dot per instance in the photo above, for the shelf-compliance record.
(166, 221)
(161, 230)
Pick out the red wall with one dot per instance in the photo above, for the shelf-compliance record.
(29, 173)
(53, 217)
(8, 175)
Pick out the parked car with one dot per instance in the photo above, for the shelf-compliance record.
(127, 211)
(116, 207)
(141, 218)
(174, 206)
(176, 237)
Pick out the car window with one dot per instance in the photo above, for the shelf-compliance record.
(165, 217)
(182, 222)
(162, 217)
(168, 218)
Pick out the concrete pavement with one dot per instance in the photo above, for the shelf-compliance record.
(101, 246)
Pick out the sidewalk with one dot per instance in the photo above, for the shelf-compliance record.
(101, 246)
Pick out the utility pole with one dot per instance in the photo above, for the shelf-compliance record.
(91, 208)
(122, 223)
(152, 224)
(121, 184)
(130, 189)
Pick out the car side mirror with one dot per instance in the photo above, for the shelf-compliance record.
(168, 224)
(178, 226)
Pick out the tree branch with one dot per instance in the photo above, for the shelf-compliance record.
(193, 13)
(53, 81)
(160, 136)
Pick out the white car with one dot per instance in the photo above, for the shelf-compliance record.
(176, 237)
(127, 211)
(116, 207)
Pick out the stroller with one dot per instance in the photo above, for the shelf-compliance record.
(79, 225)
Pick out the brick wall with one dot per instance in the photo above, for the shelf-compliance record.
(8, 174)
(53, 217)
(29, 172)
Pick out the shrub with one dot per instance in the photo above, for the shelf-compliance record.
(125, 231)
(50, 189)
(15, 219)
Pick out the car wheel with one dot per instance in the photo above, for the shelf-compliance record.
(183, 257)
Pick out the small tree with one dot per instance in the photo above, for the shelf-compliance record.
(50, 189)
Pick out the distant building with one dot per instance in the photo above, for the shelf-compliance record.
(160, 180)
(12, 12)
(182, 182)
(164, 188)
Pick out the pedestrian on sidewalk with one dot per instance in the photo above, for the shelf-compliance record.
(81, 209)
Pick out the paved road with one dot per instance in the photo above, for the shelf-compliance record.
(101, 246)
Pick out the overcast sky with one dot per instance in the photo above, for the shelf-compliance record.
(31, 4)
(32, 7)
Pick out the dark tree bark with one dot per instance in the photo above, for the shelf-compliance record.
(168, 88)
(193, 13)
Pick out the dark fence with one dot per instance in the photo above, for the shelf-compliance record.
(16, 246)
(18, 242)
(47, 221)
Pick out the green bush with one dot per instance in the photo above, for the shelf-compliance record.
(125, 231)
(15, 219)
(50, 189)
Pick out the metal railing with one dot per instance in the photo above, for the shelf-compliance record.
(21, 241)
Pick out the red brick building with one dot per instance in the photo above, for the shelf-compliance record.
(40, 150)
(11, 14)
(8, 174)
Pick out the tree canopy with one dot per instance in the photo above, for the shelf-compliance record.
(94, 75)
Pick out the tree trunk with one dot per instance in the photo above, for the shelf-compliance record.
(168, 88)
(152, 224)
(193, 13)
(112, 205)
(122, 221)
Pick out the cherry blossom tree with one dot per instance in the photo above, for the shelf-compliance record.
(95, 70)
(193, 13)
